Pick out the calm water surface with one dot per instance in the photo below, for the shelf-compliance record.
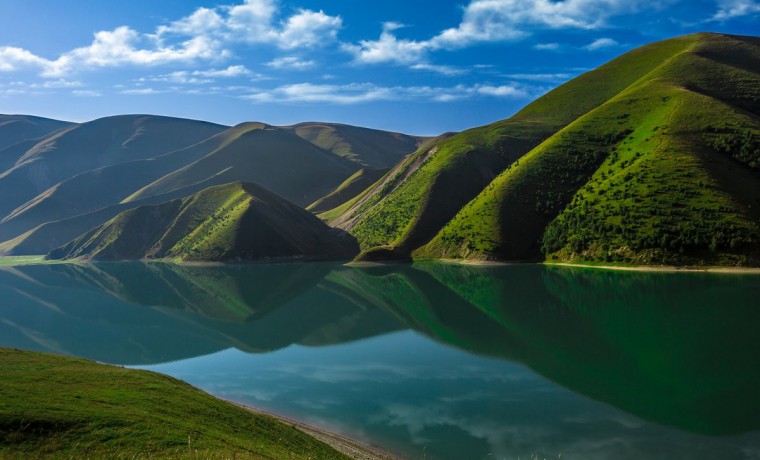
(431, 360)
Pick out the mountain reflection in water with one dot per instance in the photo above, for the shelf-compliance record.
(677, 349)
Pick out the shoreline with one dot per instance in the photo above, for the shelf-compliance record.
(350, 447)
(662, 268)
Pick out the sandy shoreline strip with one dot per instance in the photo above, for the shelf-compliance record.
(662, 268)
(345, 445)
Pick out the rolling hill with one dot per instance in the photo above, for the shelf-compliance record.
(83, 147)
(664, 171)
(279, 158)
(421, 195)
(232, 222)
(650, 158)
(15, 129)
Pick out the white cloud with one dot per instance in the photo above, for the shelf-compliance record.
(388, 48)
(546, 46)
(290, 63)
(368, 92)
(86, 93)
(601, 43)
(198, 77)
(308, 29)
(729, 9)
(141, 91)
(442, 69)
(545, 77)
(495, 21)
(12, 59)
(254, 22)
(205, 35)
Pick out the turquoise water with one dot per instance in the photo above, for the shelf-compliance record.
(433, 360)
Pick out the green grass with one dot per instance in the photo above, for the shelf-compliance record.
(74, 408)
(22, 260)
(237, 221)
(660, 173)
(346, 191)
(415, 205)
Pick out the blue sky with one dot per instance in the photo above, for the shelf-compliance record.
(421, 67)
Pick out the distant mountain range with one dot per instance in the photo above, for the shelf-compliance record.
(651, 158)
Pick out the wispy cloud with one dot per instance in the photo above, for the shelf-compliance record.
(197, 77)
(601, 43)
(730, 9)
(546, 46)
(368, 92)
(86, 93)
(290, 63)
(487, 21)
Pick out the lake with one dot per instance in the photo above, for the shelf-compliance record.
(433, 361)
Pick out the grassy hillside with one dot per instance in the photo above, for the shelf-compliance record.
(96, 144)
(74, 197)
(272, 157)
(417, 198)
(238, 221)
(368, 147)
(74, 408)
(665, 171)
(287, 160)
(351, 187)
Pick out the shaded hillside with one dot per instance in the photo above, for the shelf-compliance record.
(272, 157)
(74, 197)
(96, 144)
(368, 147)
(15, 129)
(418, 197)
(238, 221)
(665, 171)
(350, 188)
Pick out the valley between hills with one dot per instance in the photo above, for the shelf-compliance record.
(650, 159)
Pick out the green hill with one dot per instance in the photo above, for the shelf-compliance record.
(74, 408)
(664, 171)
(238, 221)
(346, 191)
(418, 197)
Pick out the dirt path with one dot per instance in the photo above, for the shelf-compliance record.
(664, 268)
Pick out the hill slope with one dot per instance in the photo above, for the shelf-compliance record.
(368, 147)
(18, 128)
(418, 197)
(102, 411)
(238, 221)
(96, 144)
(347, 190)
(665, 171)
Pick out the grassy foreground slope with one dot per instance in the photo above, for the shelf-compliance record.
(237, 221)
(418, 197)
(665, 171)
(74, 408)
